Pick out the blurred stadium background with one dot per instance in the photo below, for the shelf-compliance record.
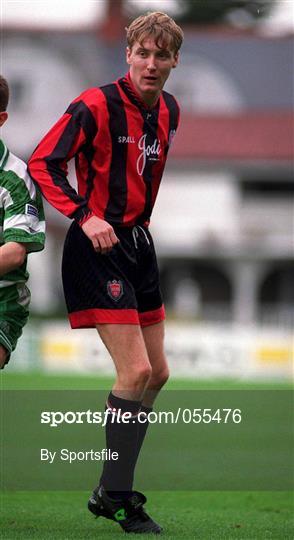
(224, 220)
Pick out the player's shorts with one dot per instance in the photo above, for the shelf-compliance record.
(14, 303)
(121, 287)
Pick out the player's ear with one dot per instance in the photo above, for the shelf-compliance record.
(128, 55)
(176, 59)
(3, 117)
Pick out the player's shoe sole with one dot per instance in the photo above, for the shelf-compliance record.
(129, 513)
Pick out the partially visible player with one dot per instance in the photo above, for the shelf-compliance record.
(22, 230)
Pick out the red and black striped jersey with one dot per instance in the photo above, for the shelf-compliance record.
(120, 148)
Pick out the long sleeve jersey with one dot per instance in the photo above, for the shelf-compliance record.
(120, 148)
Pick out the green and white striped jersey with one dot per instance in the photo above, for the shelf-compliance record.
(21, 211)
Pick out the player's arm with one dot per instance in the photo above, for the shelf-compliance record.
(48, 167)
(12, 256)
(23, 220)
(48, 163)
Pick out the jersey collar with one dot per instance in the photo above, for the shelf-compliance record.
(129, 89)
(4, 153)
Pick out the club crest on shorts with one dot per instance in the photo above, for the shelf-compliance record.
(115, 289)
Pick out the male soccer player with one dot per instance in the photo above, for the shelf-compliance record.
(22, 230)
(120, 135)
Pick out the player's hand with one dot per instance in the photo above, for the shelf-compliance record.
(101, 234)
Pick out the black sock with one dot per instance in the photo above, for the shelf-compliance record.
(117, 476)
(142, 429)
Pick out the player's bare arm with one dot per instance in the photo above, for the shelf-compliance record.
(3, 356)
(12, 255)
(101, 234)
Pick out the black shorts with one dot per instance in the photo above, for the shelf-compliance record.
(121, 287)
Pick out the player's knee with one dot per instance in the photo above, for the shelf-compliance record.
(137, 378)
(143, 374)
(160, 377)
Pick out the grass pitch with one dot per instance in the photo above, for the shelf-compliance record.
(183, 514)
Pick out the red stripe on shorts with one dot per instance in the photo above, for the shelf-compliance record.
(88, 318)
(152, 317)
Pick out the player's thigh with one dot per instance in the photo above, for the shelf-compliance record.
(126, 346)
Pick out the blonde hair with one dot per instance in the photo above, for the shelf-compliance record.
(161, 27)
